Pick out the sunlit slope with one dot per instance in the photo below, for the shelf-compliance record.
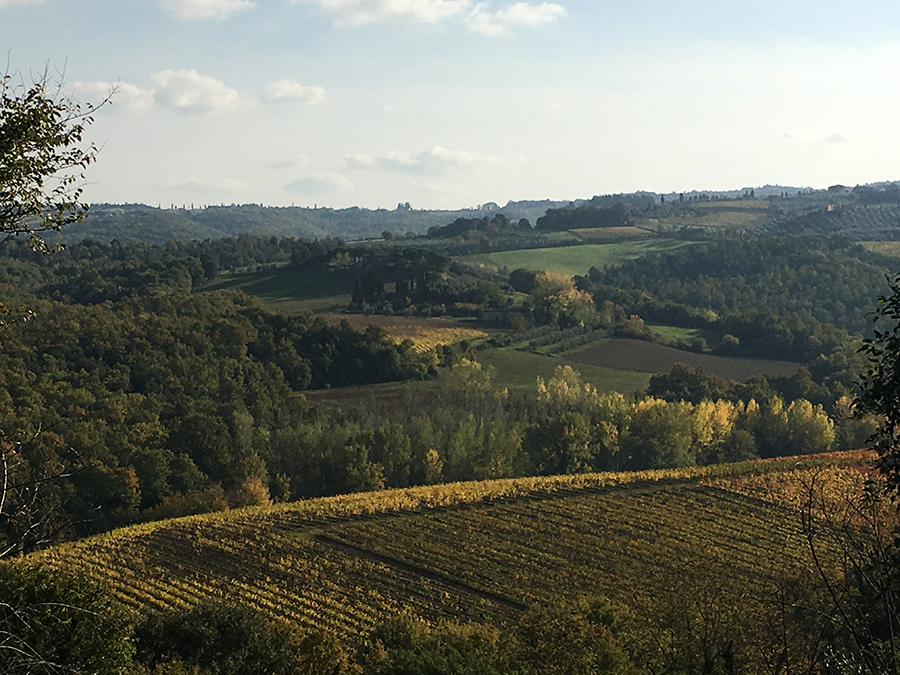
(471, 551)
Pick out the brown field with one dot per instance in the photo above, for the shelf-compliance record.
(425, 333)
(649, 357)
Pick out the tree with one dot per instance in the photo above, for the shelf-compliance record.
(879, 392)
(556, 300)
(42, 165)
(42, 158)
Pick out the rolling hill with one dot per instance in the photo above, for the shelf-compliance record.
(473, 551)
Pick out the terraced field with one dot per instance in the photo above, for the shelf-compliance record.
(473, 551)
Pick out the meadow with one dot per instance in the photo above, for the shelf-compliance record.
(743, 214)
(888, 248)
(649, 357)
(611, 235)
(574, 259)
(283, 282)
(518, 370)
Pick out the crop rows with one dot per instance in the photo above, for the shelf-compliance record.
(470, 551)
(610, 544)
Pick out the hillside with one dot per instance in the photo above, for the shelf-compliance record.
(474, 551)
(139, 222)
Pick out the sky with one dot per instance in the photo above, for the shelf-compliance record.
(454, 103)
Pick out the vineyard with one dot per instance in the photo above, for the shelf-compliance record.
(472, 551)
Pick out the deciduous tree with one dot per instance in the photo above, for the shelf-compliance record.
(42, 157)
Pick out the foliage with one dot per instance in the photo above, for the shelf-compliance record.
(481, 228)
(54, 622)
(569, 639)
(556, 300)
(585, 216)
(42, 160)
(879, 391)
(408, 646)
(224, 639)
(789, 297)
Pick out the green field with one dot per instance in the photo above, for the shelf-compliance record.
(473, 551)
(517, 369)
(611, 235)
(888, 248)
(574, 259)
(649, 357)
(283, 285)
(676, 333)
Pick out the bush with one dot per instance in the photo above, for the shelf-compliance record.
(52, 622)
(231, 640)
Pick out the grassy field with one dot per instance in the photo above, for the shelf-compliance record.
(574, 259)
(282, 284)
(676, 333)
(736, 205)
(516, 369)
(611, 235)
(889, 248)
(648, 357)
(745, 214)
(471, 551)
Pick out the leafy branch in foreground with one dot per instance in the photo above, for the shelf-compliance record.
(42, 157)
(879, 391)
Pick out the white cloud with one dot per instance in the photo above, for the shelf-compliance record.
(291, 163)
(319, 183)
(123, 96)
(199, 185)
(431, 161)
(813, 136)
(288, 90)
(190, 91)
(365, 11)
(10, 3)
(475, 15)
(204, 9)
(503, 21)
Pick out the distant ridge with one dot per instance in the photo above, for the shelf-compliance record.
(142, 223)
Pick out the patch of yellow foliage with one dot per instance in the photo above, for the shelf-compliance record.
(424, 333)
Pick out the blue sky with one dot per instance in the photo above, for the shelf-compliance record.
(452, 103)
